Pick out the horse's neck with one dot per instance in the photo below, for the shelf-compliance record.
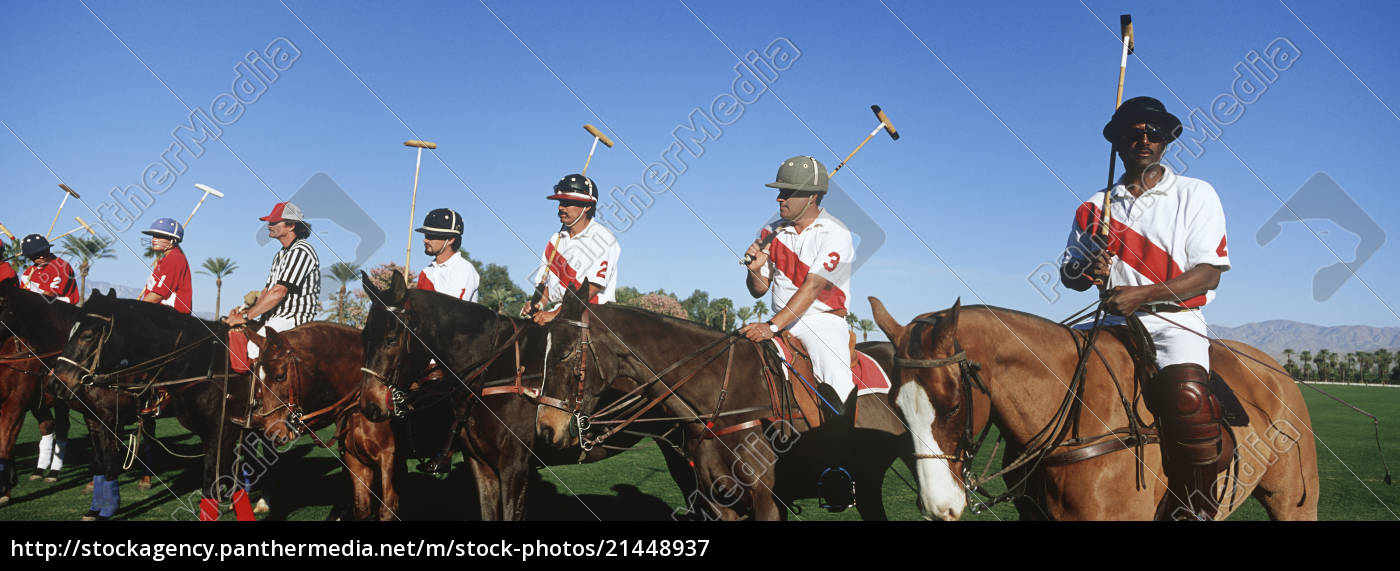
(1027, 376)
(46, 327)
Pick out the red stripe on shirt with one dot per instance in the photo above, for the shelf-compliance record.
(561, 269)
(424, 282)
(1135, 250)
(786, 261)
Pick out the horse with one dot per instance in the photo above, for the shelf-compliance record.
(309, 377)
(33, 330)
(117, 353)
(750, 456)
(964, 368)
(482, 397)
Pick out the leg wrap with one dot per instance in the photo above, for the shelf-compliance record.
(1194, 445)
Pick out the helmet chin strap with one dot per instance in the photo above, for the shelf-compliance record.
(804, 211)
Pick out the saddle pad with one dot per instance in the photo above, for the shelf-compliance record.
(1231, 409)
(237, 351)
(868, 376)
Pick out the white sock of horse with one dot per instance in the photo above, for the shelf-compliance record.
(45, 451)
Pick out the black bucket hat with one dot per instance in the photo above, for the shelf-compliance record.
(1142, 110)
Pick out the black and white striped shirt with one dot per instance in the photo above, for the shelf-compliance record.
(298, 269)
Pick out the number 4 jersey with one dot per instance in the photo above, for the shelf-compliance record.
(569, 261)
(824, 248)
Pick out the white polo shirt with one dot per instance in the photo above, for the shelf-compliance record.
(1157, 236)
(568, 261)
(824, 248)
(456, 277)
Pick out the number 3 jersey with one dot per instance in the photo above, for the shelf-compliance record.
(571, 260)
(824, 248)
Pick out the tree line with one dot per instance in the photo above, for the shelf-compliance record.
(1379, 366)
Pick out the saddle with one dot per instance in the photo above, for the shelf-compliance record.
(1144, 354)
(799, 381)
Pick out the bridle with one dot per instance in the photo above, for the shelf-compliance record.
(582, 347)
(298, 420)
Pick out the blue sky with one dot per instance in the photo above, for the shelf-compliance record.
(1000, 105)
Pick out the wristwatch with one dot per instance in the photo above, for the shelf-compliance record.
(773, 327)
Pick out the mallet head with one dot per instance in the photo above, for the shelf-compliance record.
(208, 190)
(885, 120)
(85, 225)
(1125, 25)
(599, 134)
(69, 190)
(420, 144)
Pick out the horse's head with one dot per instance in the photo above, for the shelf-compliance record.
(94, 344)
(929, 394)
(570, 367)
(393, 354)
(278, 374)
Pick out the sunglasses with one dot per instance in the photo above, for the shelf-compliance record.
(1154, 135)
(786, 193)
(576, 203)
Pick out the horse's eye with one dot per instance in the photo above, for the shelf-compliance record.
(281, 377)
(390, 341)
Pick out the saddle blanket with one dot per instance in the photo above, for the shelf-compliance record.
(868, 376)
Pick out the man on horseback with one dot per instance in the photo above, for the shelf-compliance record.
(1163, 255)
(169, 283)
(449, 273)
(292, 294)
(49, 275)
(580, 252)
(805, 259)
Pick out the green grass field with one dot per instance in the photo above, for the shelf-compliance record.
(636, 485)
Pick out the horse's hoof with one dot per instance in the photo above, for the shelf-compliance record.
(92, 515)
(37, 474)
(144, 484)
(4, 500)
(50, 477)
(88, 488)
(262, 507)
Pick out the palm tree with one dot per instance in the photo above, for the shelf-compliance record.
(1306, 359)
(88, 250)
(1383, 361)
(218, 267)
(760, 310)
(12, 252)
(852, 321)
(744, 313)
(343, 272)
(495, 296)
(866, 326)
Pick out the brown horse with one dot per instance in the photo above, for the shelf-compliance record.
(32, 329)
(966, 367)
(309, 378)
(750, 456)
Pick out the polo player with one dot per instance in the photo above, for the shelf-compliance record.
(581, 251)
(804, 259)
(449, 273)
(1162, 261)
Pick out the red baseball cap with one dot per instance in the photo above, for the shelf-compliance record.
(284, 211)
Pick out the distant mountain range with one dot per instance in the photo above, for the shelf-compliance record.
(1276, 335)
(126, 292)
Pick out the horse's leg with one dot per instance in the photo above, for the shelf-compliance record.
(388, 463)
(11, 419)
(488, 489)
(870, 489)
(679, 467)
(362, 480)
(1289, 486)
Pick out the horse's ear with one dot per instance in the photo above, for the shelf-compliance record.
(398, 288)
(887, 323)
(948, 325)
(255, 338)
(275, 340)
(112, 292)
(574, 301)
(368, 285)
(95, 294)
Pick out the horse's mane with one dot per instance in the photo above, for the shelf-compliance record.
(1016, 312)
(692, 326)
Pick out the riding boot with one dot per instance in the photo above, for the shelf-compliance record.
(828, 394)
(1194, 443)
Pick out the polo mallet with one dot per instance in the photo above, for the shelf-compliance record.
(82, 225)
(66, 192)
(597, 136)
(7, 233)
(420, 145)
(1125, 23)
(207, 191)
(884, 124)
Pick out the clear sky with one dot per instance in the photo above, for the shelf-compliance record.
(999, 104)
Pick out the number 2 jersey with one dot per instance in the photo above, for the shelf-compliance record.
(54, 278)
(569, 261)
(824, 248)
(171, 280)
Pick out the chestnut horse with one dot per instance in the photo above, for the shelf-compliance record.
(965, 367)
(309, 377)
(32, 329)
(491, 418)
(720, 391)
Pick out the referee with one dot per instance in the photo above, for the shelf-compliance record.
(292, 294)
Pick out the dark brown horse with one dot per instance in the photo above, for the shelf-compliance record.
(32, 331)
(966, 367)
(750, 456)
(492, 364)
(115, 351)
(308, 378)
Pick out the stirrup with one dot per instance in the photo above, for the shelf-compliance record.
(836, 489)
(437, 465)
